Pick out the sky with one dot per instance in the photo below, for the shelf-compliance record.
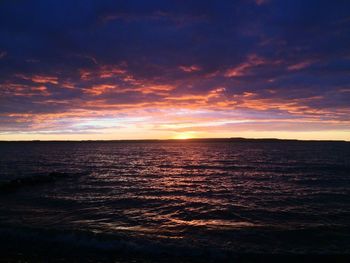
(84, 69)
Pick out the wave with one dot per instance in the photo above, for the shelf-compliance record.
(116, 244)
(203, 167)
(83, 243)
(33, 180)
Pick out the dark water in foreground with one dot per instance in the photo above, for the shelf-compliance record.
(184, 199)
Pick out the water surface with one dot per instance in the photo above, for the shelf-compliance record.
(180, 198)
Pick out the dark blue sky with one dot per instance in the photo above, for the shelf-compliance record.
(263, 67)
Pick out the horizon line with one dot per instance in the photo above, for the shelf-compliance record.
(187, 139)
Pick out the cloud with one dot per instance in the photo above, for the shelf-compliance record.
(39, 78)
(261, 2)
(189, 69)
(69, 65)
(299, 66)
(2, 54)
(242, 69)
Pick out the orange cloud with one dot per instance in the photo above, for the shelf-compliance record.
(14, 89)
(243, 68)
(104, 71)
(158, 89)
(108, 72)
(99, 89)
(85, 74)
(68, 85)
(42, 79)
(45, 79)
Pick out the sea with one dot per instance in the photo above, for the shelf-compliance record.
(174, 201)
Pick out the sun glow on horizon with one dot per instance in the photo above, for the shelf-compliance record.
(184, 135)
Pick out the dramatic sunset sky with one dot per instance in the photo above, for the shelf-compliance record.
(174, 69)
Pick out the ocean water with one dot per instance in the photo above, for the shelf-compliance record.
(177, 199)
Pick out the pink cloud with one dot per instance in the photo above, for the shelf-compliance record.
(192, 68)
(299, 66)
(261, 2)
(3, 54)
